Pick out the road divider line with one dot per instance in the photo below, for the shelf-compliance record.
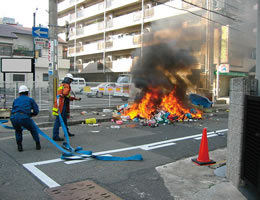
(150, 147)
(209, 136)
(213, 134)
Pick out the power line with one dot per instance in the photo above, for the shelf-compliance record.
(195, 5)
(193, 14)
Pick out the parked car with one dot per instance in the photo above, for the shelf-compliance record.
(125, 88)
(101, 90)
(78, 84)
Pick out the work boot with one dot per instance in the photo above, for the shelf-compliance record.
(19, 146)
(71, 134)
(38, 145)
(58, 139)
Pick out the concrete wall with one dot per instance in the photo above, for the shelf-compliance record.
(239, 87)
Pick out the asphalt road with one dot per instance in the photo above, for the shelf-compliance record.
(28, 174)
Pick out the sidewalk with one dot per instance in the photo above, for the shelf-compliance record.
(188, 181)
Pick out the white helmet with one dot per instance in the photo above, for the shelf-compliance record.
(69, 76)
(23, 88)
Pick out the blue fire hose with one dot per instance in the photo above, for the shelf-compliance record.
(77, 153)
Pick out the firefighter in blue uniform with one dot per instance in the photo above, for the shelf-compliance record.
(23, 109)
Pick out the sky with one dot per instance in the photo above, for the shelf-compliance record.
(22, 11)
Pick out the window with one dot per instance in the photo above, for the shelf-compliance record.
(18, 77)
(45, 77)
(74, 82)
(81, 82)
(99, 66)
(5, 50)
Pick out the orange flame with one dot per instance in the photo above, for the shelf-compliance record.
(169, 103)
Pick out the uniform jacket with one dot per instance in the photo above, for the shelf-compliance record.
(64, 98)
(25, 105)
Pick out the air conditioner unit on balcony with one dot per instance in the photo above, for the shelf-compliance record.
(148, 6)
(79, 61)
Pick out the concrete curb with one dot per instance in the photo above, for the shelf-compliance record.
(73, 122)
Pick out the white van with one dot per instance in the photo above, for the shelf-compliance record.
(123, 85)
(125, 89)
(78, 84)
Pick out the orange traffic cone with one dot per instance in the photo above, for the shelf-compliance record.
(203, 158)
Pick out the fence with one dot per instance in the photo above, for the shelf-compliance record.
(42, 96)
(251, 148)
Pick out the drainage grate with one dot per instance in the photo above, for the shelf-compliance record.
(84, 190)
(251, 155)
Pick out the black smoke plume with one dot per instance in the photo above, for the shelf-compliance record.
(165, 67)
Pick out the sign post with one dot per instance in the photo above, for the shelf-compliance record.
(40, 32)
(37, 32)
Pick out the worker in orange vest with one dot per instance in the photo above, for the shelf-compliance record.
(63, 106)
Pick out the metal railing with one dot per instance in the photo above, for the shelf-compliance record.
(42, 96)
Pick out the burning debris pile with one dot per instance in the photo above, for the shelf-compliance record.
(164, 77)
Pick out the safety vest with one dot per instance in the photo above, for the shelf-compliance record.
(63, 89)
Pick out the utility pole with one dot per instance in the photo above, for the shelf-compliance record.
(53, 55)
(209, 71)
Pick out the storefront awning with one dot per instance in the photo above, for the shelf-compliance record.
(232, 73)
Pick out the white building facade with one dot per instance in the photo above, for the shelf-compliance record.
(17, 42)
(108, 35)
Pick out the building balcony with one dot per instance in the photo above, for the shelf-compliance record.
(83, 13)
(68, 4)
(132, 19)
(62, 21)
(119, 65)
(115, 43)
(92, 10)
(114, 4)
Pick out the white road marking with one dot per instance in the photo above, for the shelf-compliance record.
(7, 138)
(150, 147)
(40, 175)
(51, 183)
(213, 134)
(209, 136)
(12, 137)
(77, 161)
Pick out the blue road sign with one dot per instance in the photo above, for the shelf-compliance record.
(40, 32)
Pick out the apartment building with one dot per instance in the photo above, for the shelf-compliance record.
(107, 36)
(16, 41)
